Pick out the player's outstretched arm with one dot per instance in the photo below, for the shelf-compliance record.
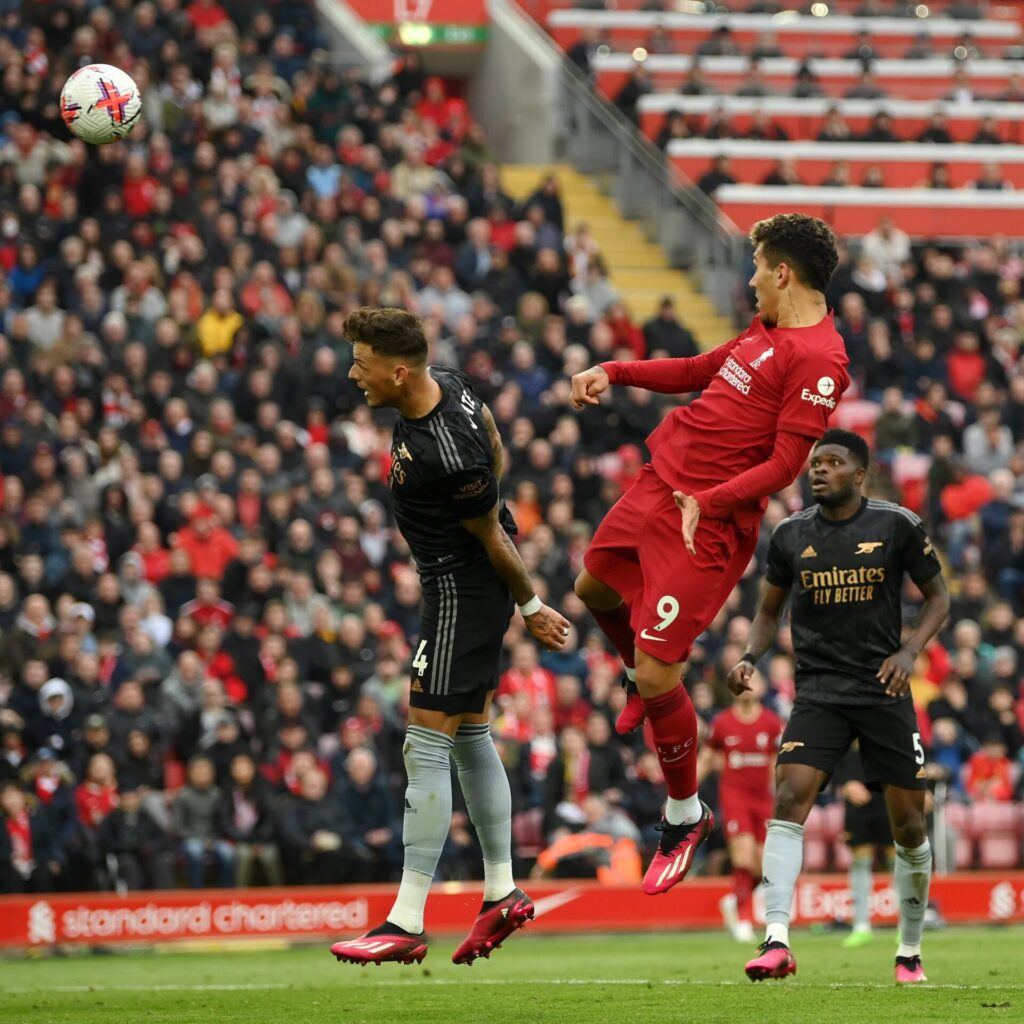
(762, 632)
(548, 628)
(897, 669)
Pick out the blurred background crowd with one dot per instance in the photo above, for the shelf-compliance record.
(206, 614)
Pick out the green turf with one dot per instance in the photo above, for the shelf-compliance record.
(976, 975)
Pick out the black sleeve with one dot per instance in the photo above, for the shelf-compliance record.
(470, 492)
(779, 572)
(916, 550)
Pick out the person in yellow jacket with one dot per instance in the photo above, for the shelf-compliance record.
(217, 327)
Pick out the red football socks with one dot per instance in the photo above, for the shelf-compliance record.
(615, 625)
(674, 723)
(743, 887)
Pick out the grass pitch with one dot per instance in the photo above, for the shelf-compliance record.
(976, 974)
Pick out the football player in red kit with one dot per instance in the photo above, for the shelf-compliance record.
(654, 583)
(741, 747)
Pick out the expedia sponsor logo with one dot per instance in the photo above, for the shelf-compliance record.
(825, 389)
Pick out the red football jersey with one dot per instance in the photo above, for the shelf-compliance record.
(766, 381)
(748, 748)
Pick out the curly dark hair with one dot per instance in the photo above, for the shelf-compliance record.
(388, 331)
(853, 443)
(806, 244)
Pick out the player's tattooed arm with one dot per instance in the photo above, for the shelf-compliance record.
(545, 624)
(762, 632)
(897, 669)
(497, 448)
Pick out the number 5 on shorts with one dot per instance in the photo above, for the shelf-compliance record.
(420, 662)
(918, 749)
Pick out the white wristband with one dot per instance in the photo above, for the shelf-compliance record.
(531, 607)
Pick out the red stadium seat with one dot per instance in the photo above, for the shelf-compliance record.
(798, 36)
(858, 415)
(997, 829)
(528, 837)
(921, 213)
(957, 818)
(904, 166)
(931, 79)
(803, 118)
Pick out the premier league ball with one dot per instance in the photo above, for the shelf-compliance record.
(100, 104)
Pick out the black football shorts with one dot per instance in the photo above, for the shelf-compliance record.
(819, 734)
(465, 616)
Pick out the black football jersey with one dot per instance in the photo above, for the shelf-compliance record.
(845, 580)
(442, 471)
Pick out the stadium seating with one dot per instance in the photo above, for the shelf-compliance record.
(803, 118)
(958, 825)
(996, 828)
(906, 79)
(902, 166)
(822, 831)
(797, 36)
(855, 211)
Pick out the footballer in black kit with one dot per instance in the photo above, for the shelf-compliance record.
(845, 579)
(442, 472)
(446, 464)
(842, 565)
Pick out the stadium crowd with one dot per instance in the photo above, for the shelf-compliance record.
(206, 615)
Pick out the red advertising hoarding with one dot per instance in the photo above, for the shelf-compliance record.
(302, 914)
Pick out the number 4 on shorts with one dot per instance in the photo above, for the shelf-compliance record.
(420, 662)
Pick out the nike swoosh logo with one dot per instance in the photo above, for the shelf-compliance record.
(556, 900)
(647, 636)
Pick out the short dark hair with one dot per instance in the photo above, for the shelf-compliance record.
(806, 244)
(854, 443)
(388, 331)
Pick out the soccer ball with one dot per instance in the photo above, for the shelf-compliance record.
(100, 103)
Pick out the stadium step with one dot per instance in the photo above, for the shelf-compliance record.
(637, 267)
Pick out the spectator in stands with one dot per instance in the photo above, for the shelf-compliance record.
(887, 247)
(695, 84)
(991, 179)
(988, 775)
(675, 127)
(879, 129)
(753, 84)
(805, 83)
(894, 428)
(863, 49)
(666, 336)
(838, 175)
(866, 87)
(628, 97)
(762, 127)
(246, 819)
(783, 172)
(1014, 91)
(315, 834)
(988, 132)
(938, 177)
(766, 45)
(716, 176)
(29, 860)
(921, 48)
(834, 127)
(137, 843)
(197, 827)
(937, 130)
(719, 44)
(987, 443)
(962, 92)
(583, 51)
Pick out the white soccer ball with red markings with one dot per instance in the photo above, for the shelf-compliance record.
(100, 103)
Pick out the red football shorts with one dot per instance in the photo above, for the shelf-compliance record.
(638, 551)
(745, 813)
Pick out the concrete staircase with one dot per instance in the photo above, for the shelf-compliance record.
(638, 268)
